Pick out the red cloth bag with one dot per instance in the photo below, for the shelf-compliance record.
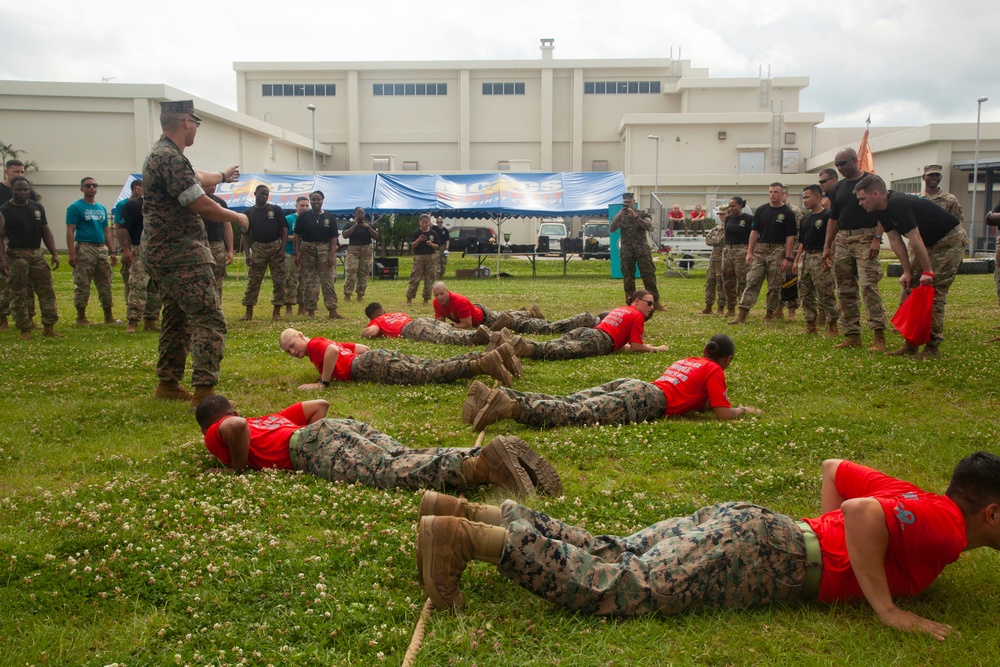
(913, 319)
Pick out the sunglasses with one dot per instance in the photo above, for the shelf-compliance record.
(89, 185)
(648, 303)
(842, 163)
(824, 180)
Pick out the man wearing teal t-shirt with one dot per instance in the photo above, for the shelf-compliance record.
(88, 238)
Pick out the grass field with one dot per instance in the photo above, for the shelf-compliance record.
(118, 547)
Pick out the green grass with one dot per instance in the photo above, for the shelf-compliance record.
(118, 546)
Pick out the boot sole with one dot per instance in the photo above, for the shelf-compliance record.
(503, 455)
(469, 409)
(542, 473)
(425, 561)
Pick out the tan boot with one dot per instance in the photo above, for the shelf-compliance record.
(523, 348)
(445, 545)
(433, 503)
(132, 327)
(542, 473)
(498, 406)
(25, 334)
(481, 335)
(779, 314)
(510, 360)
(907, 350)
(497, 338)
(109, 318)
(347, 297)
(741, 317)
(475, 400)
(150, 324)
(720, 309)
(201, 391)
(49, 331)
(249, 315)
(288, 311)
(276, 314)
(791, 314)
(504, 319)
(302, 309)
(334, 315)
(492, 364)
(170, 390)
(852, 340)
(4, 325)
(831, 330)
(730, 312)
(497, 464)
(81, 318)
(310, 314)
(931, 351)
(769, 317)
(811, 327)
(536, 312)
(879, 344)
(707, 310)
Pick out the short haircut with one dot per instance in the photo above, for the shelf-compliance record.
(813, 188)
(776, 184)
(975, 482)
(637, 295)
(301, 198)
(87, 178)
(13, 163)
(372, 308)
(19, 178)
(212, 409)
(719, 347)
(287, 336)
(317, 192)
(422, 216)
(359, 208)
(829, 173)
(869, 184)
(260, 187)
(137, 183)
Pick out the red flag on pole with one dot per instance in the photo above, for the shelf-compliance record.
(866, 161)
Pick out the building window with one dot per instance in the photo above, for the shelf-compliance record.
(913, 186)
(409, 89)
(510, 88)
(599, 165)
(381, 163)
(298, 89)
(751, 162)
(503, 165)
(410, 165)
(620, 87)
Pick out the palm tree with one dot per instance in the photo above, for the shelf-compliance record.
(8, 152)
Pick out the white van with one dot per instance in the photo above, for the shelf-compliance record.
(556, 233)
(596, 240)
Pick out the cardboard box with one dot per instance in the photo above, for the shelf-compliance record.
(465, 273)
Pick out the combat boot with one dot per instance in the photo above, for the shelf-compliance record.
(276, 314)
(4, 326)
(536, 312)
(201, 391)
(769, 317)
(302, 309)
(249, 315)
(132, 327)
(931, 351)
(879, 344)
(150, 324)
(831, 330)
(791, 313)
(481, 335)
(347, 297)
(907, 350)
(504, 319)
(497, 464)
(288, 311)
(310, 314)
(81, 318)
(109, 318)
(707, 310)
(49, 331)
(433, 503)
(741, 317)
(851, 340)
(334, 315)
(731, 312)
(510, 360)
(445, 545)
(522, 348)
(498, 406)
(542, 473)
(721, 308)
(497, 338)
(475, 400)
(25, 334)
(779, 314)
(492, 364)
(170, 390)
(811, 327)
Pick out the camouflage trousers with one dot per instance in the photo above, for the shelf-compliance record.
(850, 264)
(429, 330)
(575, 344)
(713, 278)
(293, 287)
(345, 450)
(622, 401)
(4, 296)
(639, 254)
(767, 259)
(817, 290)
(734, 273)
(262, 257)
(192, 321)
(725, 556)
(946, 257)
(524, 323)
(390, 367)
(92, 264)
(357, 269)
(442, 264)
(143, 295)
(125, 271)
(315, 271)
(30, 275)
(793, 303)
(219, 270)
(425, 267)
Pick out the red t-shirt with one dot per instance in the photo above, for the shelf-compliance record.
(317, 350)
(269, 436)
(675, 215)
(624, 324)
(926, 532)
(458, 307)
(391, 324)
(689, 383)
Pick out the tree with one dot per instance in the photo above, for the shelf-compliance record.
(8, 152)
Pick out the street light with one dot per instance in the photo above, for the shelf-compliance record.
(656, 182)
(312, 108)
(975, 177)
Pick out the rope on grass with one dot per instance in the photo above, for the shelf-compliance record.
(418, 635)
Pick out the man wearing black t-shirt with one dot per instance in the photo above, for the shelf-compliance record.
(269, 234)
(118, 220)
(424, 244)
(816, 286)
(852, 245)
(937, 244)
(769, 253)
(24, 226)
(220, 240)
(143, 294)
(12, 169)
(358, 262)
(734, 253)
(316, 238)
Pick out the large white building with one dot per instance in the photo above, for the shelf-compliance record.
(711, 137)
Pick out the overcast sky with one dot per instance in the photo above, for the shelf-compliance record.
(905, 63)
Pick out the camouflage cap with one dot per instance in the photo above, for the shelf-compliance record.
(179, 107)
(933, 169)
(628, 196)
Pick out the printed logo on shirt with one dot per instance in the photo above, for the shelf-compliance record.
(270, 215)
(818, 223)
(38, 215)
(781, 217)
(904, 516)
(270, 422)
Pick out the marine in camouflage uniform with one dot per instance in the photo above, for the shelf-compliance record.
(382, 366)
(524, 323)
(715, 239)
(143, 296)
(634, 247)
(771, 238)
(439, 332)
(316, 238)
(220, 241)
(25, 227)
(424, 245)
(358, 260)
(575, 344)
(946, 200)
(91, 253)
(269, 232)
(622, 401)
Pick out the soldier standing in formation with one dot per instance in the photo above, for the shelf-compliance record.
(118, 218)
(358, 263)
(143, 299)
(220, 241)
(714, 239)
(316, 239)
(424, 245)
(817, 291)
(269, 234)
(293, 287)
(634, 248)
(88, 237)
(933, 191)
(734, 253)
(444, 242)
